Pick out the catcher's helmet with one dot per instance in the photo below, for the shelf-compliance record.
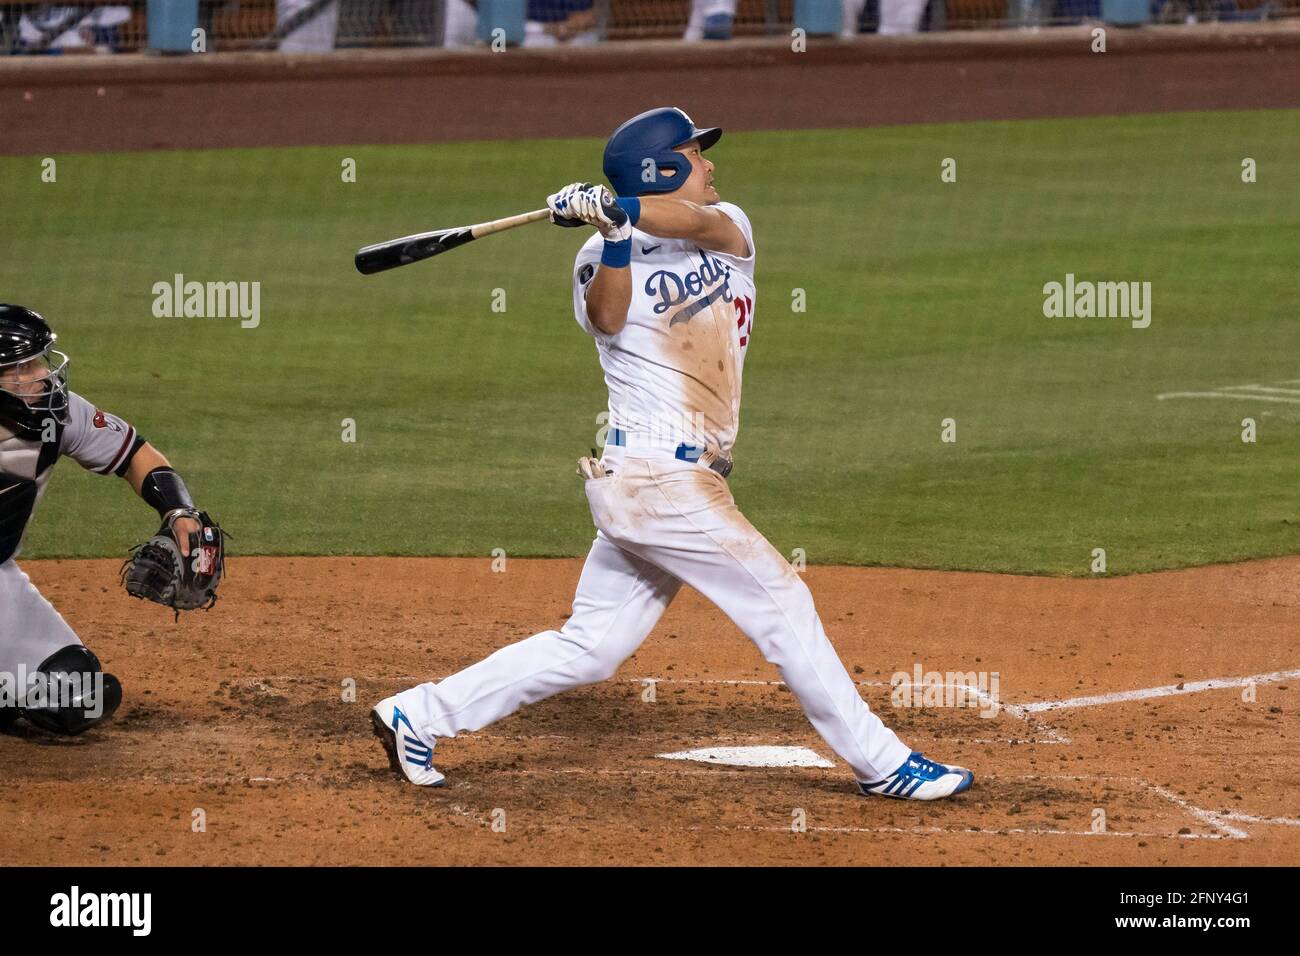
(641, 151)
(30, 395)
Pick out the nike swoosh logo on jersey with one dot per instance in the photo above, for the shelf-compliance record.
(646, 250)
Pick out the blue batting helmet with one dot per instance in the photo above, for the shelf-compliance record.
(641, 150)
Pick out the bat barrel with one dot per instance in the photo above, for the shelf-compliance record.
(382, 256)
(401, 252)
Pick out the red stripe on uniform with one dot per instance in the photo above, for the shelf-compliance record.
(121, 453)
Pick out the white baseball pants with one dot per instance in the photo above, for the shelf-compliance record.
(30, 628)
(661, 522)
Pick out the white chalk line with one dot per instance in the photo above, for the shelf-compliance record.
(976, 831)
(1214, 818)
(1026, 711)
(1208, 817)
(1147, 693)
(1253, 391)
(1264, 388)
(1248, 818)
(1249, 395)
(1023, 710)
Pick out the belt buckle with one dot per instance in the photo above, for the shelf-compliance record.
(704, 456)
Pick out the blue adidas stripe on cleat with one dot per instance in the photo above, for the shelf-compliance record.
(414, 760)
(921, 779)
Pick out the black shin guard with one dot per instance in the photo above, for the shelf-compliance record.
(77, 693)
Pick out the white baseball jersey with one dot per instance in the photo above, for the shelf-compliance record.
(96, 440)
(674, 370)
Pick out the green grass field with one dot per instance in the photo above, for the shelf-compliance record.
(924, 301)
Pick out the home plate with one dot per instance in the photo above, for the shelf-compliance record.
(753, 756)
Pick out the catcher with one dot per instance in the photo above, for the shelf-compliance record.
(46, 674)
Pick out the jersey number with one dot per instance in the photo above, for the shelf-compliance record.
(745, 320)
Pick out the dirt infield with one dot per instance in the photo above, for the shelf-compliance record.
(240, 713)
(94, 104)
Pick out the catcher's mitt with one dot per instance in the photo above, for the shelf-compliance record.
(157, 572)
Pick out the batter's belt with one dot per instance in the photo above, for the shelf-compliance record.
(704, 455)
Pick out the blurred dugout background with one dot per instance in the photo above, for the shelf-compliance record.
(317, 25)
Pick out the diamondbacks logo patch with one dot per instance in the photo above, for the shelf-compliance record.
(101, 421)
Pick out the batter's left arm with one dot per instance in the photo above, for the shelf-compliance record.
(705, 226)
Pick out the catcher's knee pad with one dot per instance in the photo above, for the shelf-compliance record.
(77, 692)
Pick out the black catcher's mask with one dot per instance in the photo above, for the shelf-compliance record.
(33, 375)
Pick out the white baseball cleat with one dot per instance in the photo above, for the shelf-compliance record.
(921, 779)
(407, 753)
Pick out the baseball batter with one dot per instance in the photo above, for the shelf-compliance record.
(666, 289)
(47, 675)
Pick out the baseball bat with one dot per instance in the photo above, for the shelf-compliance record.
(402, 252)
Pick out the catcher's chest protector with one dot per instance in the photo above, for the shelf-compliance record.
(25, 466)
